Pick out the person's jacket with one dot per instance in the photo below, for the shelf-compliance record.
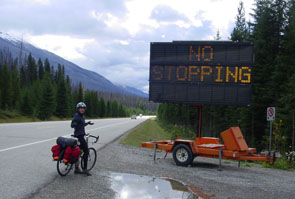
(78, 123)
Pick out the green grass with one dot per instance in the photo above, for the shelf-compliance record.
(227, 162)
(15, 117)
(246, 164)
(145, 132)
(176, 130)
(280, 163)
(243, 163)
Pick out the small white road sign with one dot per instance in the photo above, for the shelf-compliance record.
(271, 113)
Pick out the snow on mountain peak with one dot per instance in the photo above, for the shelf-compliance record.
(8, 37)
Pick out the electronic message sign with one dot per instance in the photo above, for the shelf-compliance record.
(201, 72)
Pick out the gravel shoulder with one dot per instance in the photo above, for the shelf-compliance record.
(231, 182)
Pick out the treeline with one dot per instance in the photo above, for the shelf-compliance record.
(37, 90)
(135, 103)
(272, 31)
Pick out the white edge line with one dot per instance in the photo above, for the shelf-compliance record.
(16, 147)
(38, 142)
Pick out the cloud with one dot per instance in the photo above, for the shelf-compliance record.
(40, 1)
(112, 37)
(57, 17)
(127, 72)
(64, 46)
(166, 14)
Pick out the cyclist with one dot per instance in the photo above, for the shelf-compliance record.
(78, 123)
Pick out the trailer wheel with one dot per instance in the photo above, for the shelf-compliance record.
(182, 155)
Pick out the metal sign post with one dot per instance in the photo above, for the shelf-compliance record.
(271, 116)
(270, 136)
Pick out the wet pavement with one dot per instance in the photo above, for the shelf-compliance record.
(131, 186)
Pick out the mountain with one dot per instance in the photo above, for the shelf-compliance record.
(90, 80)
(133, 91)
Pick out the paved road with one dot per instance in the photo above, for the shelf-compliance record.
(25, 156)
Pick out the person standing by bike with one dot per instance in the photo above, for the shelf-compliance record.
(78, 123)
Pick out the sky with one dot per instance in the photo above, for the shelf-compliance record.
(112, 37)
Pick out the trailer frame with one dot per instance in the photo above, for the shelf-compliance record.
(234, 147)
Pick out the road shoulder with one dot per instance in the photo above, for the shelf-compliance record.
(232, 182)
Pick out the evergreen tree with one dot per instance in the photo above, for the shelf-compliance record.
(287, 112)
(109, 109)
(80, 93)
(288, 43)
(32, 69)
(0, 100)
(44, 92)
(63, 70)
(26, 107)
(59, 74)
(218, 37)
(47, 66)
(15, 87)
(102, 108)
(6, 90)
(35, 92)
(88, 102)
(265, 47)
(286, 60)
(279, 75)
(70, 96)
(240, 32)
(40, 69)
(122, 112)
(62, 100)
(115, 109)
(23, 78)
(95, 104)
(52, 74)
(1, 83)
(47, 101)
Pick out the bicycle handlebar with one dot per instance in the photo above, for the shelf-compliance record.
(96, 137)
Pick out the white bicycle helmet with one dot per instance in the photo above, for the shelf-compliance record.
(81, 105)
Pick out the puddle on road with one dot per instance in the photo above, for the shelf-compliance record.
(130, 186)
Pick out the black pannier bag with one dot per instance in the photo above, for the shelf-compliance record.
(65, 142)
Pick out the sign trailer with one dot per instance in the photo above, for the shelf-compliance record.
(203, 72)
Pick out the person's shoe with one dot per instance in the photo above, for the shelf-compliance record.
(78, 171)
(86, 172)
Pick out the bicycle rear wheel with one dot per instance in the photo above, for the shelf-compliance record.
(91, 159)
(63, 168)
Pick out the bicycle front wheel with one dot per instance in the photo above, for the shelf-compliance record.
(91, 159)
(63, 168)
